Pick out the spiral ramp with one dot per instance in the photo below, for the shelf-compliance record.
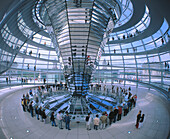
(135, 51)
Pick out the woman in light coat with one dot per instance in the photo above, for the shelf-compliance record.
(96, 122)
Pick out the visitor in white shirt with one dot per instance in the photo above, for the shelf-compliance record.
(60, 119)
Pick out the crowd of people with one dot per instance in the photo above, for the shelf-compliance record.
(39, 112)
(125, 36)
(114, 115)
(99, 122)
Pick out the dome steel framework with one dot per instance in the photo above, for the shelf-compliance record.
(82, 42)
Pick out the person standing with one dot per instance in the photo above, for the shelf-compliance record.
(22, 103)
(35, 68)
(141, 121)
(91, 87)
(114, 51)
(36, 98)
(119, 113)
(44, 80)
(96, 122)
(103, 119)
(36, 112)
(129, 88)
(52, 119)
(30, 92)
(31, 109)
(135, 99)
(40, 113)
(107, 118)
(125, 108)
(138, 118)
(115, 114)
(129, 105)
(25, 103)
(44, 115)
(111, 117)
(133, 102)
(27, 96)
(60, 119)
(67, 120)
(88, 122)
(7, 80)
(28, 66)
(162, 40)
(112, 88)
(129, 95)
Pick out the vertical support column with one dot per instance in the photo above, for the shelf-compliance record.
(137, 75)
(148, 63)
(123, 65)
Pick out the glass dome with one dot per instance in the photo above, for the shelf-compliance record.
(40, 40)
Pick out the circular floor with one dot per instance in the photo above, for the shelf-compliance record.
(16, 124)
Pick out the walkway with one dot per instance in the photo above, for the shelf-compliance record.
(17, 124)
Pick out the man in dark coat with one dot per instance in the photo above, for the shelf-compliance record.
(44, 115)
(52, 119)
(138, 118)
(37, 112)
(67, 121)
(31, 109)
(111, 116)
(115, 114)
(40, 113)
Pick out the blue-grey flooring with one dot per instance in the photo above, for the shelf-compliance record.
(17, 124)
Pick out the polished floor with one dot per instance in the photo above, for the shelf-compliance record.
(16, 124)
